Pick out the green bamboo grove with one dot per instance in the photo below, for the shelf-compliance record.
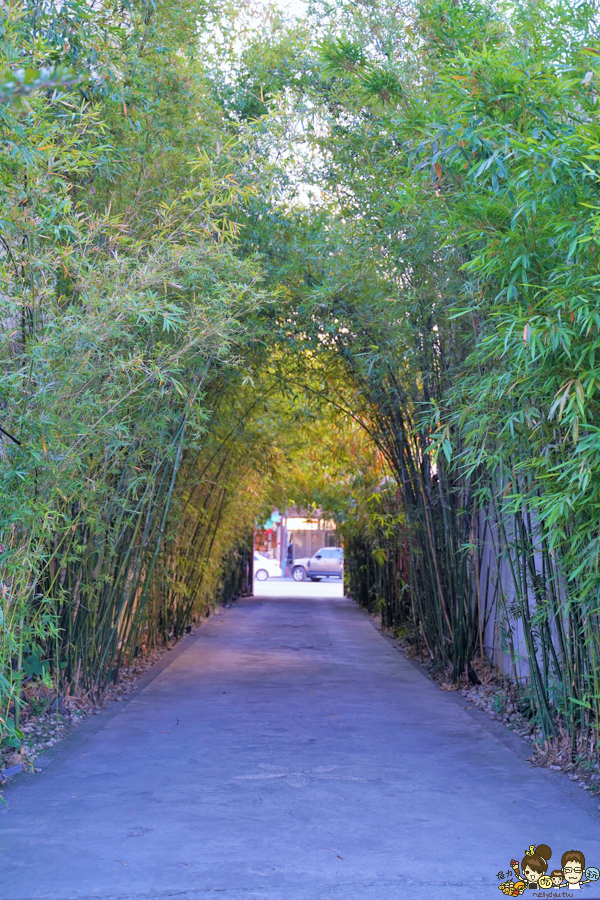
(448, 261)
(349, 260)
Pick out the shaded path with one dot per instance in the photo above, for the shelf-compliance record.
(285, 752)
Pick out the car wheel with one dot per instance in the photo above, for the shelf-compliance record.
(298, 574)
(261, 575)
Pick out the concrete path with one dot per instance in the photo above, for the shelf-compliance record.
(275, 588)
(286, 751)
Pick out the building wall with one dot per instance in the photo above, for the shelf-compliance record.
(306, 543)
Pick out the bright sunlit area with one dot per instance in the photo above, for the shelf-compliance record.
(293, 7)
(298, 553)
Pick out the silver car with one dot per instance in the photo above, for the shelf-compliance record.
(328, 561)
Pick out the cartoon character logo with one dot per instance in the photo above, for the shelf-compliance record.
(535, 864)
(512, 888)
(534, 867)
(574, 870)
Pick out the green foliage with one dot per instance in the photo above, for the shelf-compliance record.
(224, 238)
(448, 262)
(123, 309)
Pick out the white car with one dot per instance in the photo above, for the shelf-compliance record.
(265, 568)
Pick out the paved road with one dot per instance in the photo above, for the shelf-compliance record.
(287, 587)
(286, 751)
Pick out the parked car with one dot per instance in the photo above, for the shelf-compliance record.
(265, 568)
(327, 562)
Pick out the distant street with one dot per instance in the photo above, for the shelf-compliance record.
(287, 587)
